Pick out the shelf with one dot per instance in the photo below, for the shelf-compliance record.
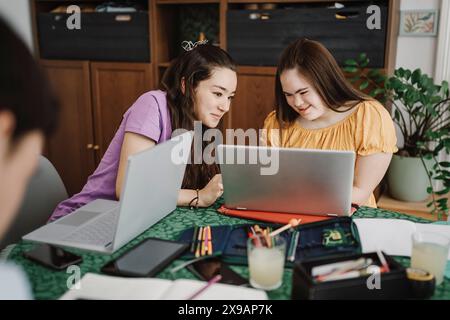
(257, 70)
(418, 209)
(164, 64)
(279, 1)
(186, 1)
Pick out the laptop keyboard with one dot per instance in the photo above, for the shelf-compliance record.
(99, 232)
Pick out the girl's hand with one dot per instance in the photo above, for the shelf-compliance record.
(213, 190)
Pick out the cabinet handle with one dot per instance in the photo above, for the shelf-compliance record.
(96, 147)
(89, 146)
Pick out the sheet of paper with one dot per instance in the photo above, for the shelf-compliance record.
(393, 236)
(102, 287)
(184, 288)
(389, 235)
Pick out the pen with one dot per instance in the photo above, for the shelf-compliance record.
(203, 241)
(383, 260)
(210, 250)
(217, 278)
(206, 240)
(293, 248)
(199, 240)
(194, 239)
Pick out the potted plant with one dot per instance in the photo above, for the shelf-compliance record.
(421, 110)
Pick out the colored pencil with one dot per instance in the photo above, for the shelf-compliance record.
(217, 278)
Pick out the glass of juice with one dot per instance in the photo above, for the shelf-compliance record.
(430, 253)
(266, 262)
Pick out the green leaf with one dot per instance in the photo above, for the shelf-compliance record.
(373, 73)
(364, 63)
(408, 74)
(416, 75)
(351, 62)
(443, 192)
(444, 164)
(350, 69)
(364, 85)
(362, 57)
(429, 190)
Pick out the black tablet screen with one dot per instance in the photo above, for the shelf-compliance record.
(146, 259)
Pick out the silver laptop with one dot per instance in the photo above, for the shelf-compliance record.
(317, 182)
(152, 182)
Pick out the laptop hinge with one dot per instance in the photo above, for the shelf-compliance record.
(241, 208)
(332, 214)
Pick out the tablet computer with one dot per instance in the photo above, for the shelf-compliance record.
(146, 259)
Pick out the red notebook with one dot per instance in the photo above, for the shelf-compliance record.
(274, 217)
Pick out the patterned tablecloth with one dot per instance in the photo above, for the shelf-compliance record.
(48, 284)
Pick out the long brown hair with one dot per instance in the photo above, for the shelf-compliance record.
(313, 61)
(192, 67)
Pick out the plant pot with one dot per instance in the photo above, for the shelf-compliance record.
(407, 179)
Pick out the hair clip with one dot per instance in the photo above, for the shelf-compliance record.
(189, 45)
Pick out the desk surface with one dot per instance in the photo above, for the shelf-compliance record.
(48, 284)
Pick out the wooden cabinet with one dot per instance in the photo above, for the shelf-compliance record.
(93, 98)
(115, 86)
(254, 99)
(68, 148)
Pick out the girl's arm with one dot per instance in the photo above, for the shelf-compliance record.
(207, 196)
(368, 173)
(132, 144)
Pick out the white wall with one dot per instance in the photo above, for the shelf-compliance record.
(417, 52)
(17, 13)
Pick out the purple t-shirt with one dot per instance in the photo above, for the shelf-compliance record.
(148, 116)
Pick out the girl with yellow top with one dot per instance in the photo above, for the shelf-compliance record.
(318, 109)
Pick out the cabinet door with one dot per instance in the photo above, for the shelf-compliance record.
(254, 98)
(70, 148)
(115, 86)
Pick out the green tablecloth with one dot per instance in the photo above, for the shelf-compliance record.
(48, 284)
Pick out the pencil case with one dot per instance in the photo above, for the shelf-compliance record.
(393, 284)
(324, 239)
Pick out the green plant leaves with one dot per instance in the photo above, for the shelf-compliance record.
(364, 85)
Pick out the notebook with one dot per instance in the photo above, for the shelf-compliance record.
(393, 236)
(101, 287)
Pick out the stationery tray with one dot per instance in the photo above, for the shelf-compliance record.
(324, 239)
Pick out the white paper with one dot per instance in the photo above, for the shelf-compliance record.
(183, 289)
(102, 287)
(393, 236)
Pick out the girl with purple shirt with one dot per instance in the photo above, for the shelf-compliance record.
(198, 86)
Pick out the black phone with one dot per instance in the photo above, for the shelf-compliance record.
(208, 268)
(146, 259)
(52, 257)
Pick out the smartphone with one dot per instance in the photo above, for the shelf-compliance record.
(52, 257)
(146, 259)
(208, 268)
